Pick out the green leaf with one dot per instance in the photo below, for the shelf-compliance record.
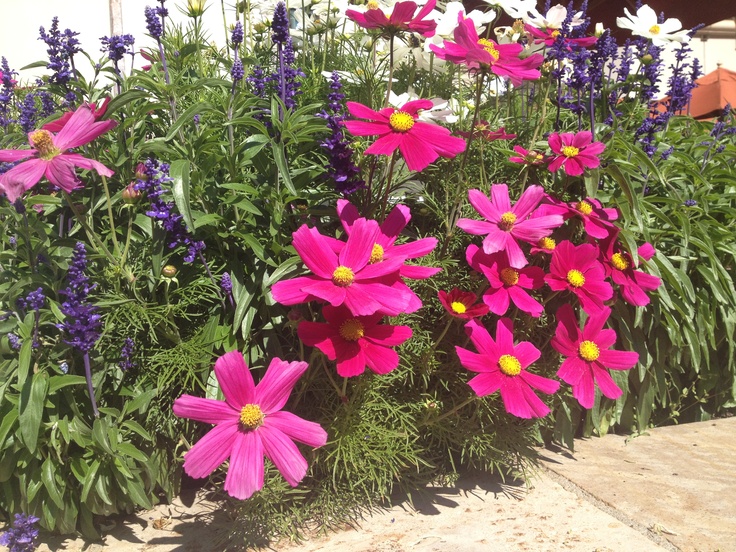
(99, 434)
(132, 451)
(89, 480)
(32, 399)
(279, 157)
(7, 423)
(57, 382)
(24, 361)
(48, 473)
(179, 172)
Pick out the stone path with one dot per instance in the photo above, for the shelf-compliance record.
(672, 489)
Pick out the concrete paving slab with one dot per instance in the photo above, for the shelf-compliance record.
(677, 481)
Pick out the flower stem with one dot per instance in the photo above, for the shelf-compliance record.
(90, 233)
(90, 388)
(451, 411)
(115, 246)
(390, 69)
(340, 392)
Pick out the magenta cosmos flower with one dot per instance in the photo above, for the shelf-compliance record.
(420, 143)
(503, 366)
(385, 247)
(58, 124)
(402, 18)
(549, 36)
(483, 54)
(589, 356)
(50, 155)
(577, 269)
(462, 304)
(355, 341)
(248, 425)
(527, 157)
(504, 224)
(633, 284)
(506, 284)
(575, 152)
(347, 278)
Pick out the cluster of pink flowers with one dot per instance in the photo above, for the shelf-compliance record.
(583, 271)
(362, 281)
(572, 152)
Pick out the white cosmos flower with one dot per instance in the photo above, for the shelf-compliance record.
(438, 112)
(447, 22)
(554, 18)
(645, 23)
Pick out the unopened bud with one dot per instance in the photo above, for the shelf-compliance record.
(646, 59)
(195, 8)
(131, 195)
(169, 271)
(140, 172)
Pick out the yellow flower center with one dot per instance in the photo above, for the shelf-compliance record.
(589, 351)
(376, 254)
(547, 244)
(654, 29)
(570, 151)
(458, 307)
(251, 416)
(343, 276)
(401, 121)
(555, 33)
(372, 5)
(43, 142)
(352, 330)
(575, 278)
(509, 276)
(509, 365)
(507, 221)
(585, 207)
(490, 47)
(619, 261)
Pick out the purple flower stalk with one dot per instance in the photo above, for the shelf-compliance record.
(155, 175)
(60, 48)
(117, 46)
(237, 35)
(153, 22)
(285, 79)
(6, 93)
(126, 353)
(14, 341)
(21, 537)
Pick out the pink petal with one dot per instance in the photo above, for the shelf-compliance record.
(363, 128)
(298, 429)
(366, 299)
(89, 164)
(357, 250)
(208, 411)
(505, 336)
(60, 172)
(387, 335)
(415, 249)
(525, 302)
(314, 252)
(289, 292)
(386, 144)
(380, 359)
(572, 369)
(516, 256)
(473, 361)
(211, 450)
(545, 385)
(584, 390)
(514, 399)
(500, 198)
(605, 383)
(274, 389)
(526, 352)
(414, 272)
(476, 227)
(482, 340)
(528, 201)
(324, 290)
(13, 155)
(497, 301)
(618, 360)
(245, 474)
(364, 112)
(486, 383)
(350, 359)
(284, 454)
(81, 129)
(497, 240)
(348, 214)
(236, 381)
(487, 209)
(22, 178)
(416, 152)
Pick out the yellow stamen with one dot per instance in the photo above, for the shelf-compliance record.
(619, 261)
(585, 207)
(352, 330)
(654, 29)
(555, 33)
(509, 365)
(458, 307)
(570, 151)
(490, 47)
(547, 243)
(372, 5)
(343, 276)
(507, 221)
(509, 276)
(401, 121)
(589, 351)
(575, 278)
(43, 142)
(376, 254)
(251, 416)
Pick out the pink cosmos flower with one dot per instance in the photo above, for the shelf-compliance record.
(50, 155)
(504, 224)
(248, 425)
(577, 269)
(462, 304)
(574, 152)
(402, 18)
(420, 143)
(483, 132)
(633, 284)
(527, 157)
(597, 220)
(507, 284)
(58, 124)
(503, 366)
(483, 54)
(549, 36)
(346, 278)
(355, 341)
(385, 247)
(589, 355)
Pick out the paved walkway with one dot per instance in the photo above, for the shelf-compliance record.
(672, 489)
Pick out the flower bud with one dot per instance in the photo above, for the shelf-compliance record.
(646, 59)
(599, 30)
(131, 195)
(195, 8)
(140, 172)
(169, 271)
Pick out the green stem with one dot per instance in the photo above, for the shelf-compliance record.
(390, 69)
(332, 380)
(452, 411)
(113, 233)
(90, 234)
